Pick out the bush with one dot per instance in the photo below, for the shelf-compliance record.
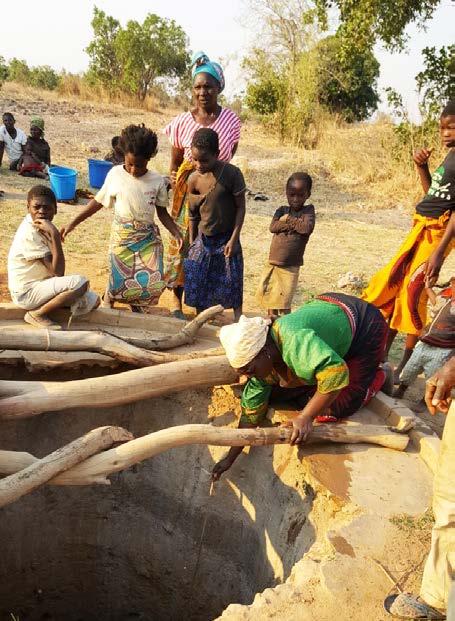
(44, 77)
(40, 77)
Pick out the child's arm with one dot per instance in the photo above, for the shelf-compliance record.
(92, 207)
(169, 224)
(239, 200)
(195, 215)
(56, 262)
(436, 260)
(431, 294)
(304, 225)
(421, 158)
(2, 149)
(279, 225)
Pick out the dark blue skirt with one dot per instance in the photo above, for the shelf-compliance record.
(210, 277)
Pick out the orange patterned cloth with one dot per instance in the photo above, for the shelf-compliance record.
(398, 289)
(174, 275)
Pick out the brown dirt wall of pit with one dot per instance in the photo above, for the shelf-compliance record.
(154, 544)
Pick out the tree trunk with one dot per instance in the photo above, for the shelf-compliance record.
(97, 468)
(24, 399)
(43, 470)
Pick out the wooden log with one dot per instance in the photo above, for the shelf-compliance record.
(96, 469)
(186, 336)
(43, 470)
(35, 361)
(43, 340)
(24, 399)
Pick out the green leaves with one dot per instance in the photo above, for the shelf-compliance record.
(133, 58)
(364, 22)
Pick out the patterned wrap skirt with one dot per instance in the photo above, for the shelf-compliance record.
(210, 277)
(398, 289)
(136, 263)
(174, 273)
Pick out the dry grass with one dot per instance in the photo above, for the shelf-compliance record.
(361, 156)
(354, 232)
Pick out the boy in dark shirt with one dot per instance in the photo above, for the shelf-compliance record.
(291, 226)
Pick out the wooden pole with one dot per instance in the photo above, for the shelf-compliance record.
(96, 469)
(42, 470)
(91, 341)
(186, 336)
(23, 399)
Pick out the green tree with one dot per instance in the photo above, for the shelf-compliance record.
(363, 22)
(347, 87)
(135, 57)
(104, 67)
(3, 70)
(154, 49)
(436, 82)
(18, 71)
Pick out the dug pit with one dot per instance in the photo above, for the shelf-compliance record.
(154, 544)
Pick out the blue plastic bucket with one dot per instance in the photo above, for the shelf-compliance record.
(97, 171)
(63, 182)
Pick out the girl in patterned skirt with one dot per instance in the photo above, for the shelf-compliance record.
(136, 250)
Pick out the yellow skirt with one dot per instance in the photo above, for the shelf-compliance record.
(398, 289)
(277, 287)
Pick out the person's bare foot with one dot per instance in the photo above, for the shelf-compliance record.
(41, 321)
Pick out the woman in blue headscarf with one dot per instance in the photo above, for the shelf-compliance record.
(208, 83)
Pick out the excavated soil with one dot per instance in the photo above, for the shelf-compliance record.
(154, 545)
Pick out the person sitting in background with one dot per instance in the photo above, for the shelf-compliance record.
(437, 343)
(36, 266)
(115, 155)
(29, 166)
(39, 146)
(12, 139)
(291, 226)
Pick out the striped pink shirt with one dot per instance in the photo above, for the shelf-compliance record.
(181, 129)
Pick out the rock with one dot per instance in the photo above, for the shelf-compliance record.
(351, 281)
(94, 150)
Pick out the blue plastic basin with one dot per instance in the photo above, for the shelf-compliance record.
(63, 182)
(97, 171)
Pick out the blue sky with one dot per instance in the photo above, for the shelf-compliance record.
(55, 33)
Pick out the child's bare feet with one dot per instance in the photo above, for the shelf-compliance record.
(41, 321)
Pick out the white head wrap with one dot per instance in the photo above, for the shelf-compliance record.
(242, 341)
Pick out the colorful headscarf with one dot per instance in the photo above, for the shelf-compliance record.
(243, 341)
(201, 63)
(38, 122)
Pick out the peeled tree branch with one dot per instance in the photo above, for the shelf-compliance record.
(73, 465)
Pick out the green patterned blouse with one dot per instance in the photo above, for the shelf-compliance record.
(312, 341)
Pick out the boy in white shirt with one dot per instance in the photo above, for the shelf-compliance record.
(36, 266)
(12, 139)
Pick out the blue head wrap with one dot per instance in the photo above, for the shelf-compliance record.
(201, 63)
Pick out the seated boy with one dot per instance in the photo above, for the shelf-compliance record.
(36, 266)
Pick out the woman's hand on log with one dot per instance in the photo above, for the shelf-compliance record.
(220, 467)
(302, 426)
